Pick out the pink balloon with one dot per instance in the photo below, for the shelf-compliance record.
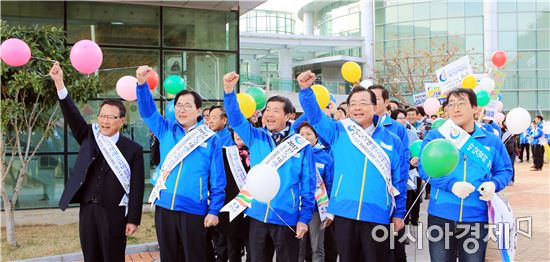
(499, 117)
(86, 56)
(126, 88)
(15, 52)
(431, 106)
(500, 106)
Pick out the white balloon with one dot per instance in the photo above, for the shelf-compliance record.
(518, 120)
(500, 105)
(366, 83)
(546, 128)
(487, 84)
(263, 182)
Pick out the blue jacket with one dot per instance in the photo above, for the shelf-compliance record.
(225, 136)
(325, 164)
(295, 200)
(359, 191)
(524, 137)
(445, 204)
(537, 134)
(400, 131)
(199, 177)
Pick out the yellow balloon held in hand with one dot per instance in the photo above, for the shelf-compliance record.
(246, 104)
(322, 95)
(351, 72)
(469, 81)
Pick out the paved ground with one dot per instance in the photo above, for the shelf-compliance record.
(529, 197)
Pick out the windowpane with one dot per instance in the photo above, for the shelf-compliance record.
(118, 57)
(506, 6)
(526, 6)
(527, 40)
(202, 71)
(422, 44)
(474, 44)
(456, 26)
(507, 22)
(543, 59)
(405, 13)
(406, 30)
(422, 28)
(457, 42)
(115, 24)
(391, 32)
(527, 60)
(509, 99)
(421, 11)
(456, 8)
(544, 83)
(439, 27)
(438, 9)
(203, 29)
(391, 14)
(543, 20)
(526, 21)
(474, 25)
(473, 8)
(32, 13)
(507, 40)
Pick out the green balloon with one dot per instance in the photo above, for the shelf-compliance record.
(483, 98)
(173, 84)
(259, 96)
(415, 148)
(439, 158)
(438, 122)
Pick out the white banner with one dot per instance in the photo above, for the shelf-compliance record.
(491, 110)
(451, 75)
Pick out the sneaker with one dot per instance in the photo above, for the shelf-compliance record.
(535, 169)
(520, 161)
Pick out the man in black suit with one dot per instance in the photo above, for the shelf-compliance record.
(107, 178)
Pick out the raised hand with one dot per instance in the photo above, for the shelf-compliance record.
(57, 75)
(229, 82)
(142, 73)
(306, 79)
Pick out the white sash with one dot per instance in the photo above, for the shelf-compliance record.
(321, 196)
(236, 165)
(183, 148)
(116, 162)
(366, 144)
(282, 153)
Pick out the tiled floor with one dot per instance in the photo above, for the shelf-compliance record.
(529, 197)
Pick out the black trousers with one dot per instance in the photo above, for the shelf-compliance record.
(265, 239)
(523, 147)
(398, 253)
(538, 156)
(102, 232)
(229, 246)
(331, 252)
(355, 240)
(415, 209)
(181, 236)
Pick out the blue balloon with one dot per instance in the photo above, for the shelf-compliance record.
(499, 97)
(170, 113)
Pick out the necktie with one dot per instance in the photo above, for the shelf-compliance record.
(277, 137)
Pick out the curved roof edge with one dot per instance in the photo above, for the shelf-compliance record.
(313, 6)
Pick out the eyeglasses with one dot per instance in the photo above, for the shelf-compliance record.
(109, 117)
(401, 117)
(183, 107)
(362, 104)
(460, 105)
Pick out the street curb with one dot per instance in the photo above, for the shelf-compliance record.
(133, 249)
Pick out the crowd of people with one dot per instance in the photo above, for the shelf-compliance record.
(349, 186)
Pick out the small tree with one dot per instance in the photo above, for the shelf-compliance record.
(413, 68)
(29, 105)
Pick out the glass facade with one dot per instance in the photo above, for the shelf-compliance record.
(198, 45)
(411, 28)
(342, 18)
(268, 22)
(524, 34)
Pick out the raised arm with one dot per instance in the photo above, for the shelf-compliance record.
(72, 116)
(146, 105)
(235, 117)
(324, 126)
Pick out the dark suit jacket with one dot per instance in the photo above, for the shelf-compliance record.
(90, 155)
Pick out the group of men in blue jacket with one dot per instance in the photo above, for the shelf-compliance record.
(367, 198)
(533, 138)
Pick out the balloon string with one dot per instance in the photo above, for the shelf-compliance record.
(43, 59)
(292, 229)
(117, 68)
(157, 92)
(419, 195)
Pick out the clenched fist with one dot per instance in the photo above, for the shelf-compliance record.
(142, 73)
(229, 82)
(306, 79)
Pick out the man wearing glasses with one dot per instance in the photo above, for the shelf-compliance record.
(367, 174)
(107, 177)
(458, 204)
(189, 184)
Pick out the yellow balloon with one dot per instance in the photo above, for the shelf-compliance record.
(246, 104)
(351, 72)
(469, 81)
(322, 95)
